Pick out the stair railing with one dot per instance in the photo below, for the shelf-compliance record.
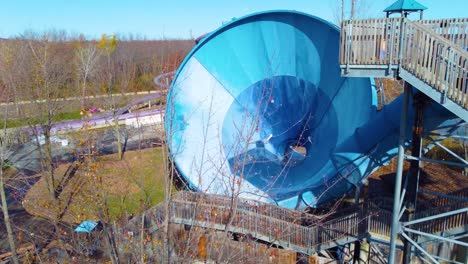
(399, 42)
(453, 29)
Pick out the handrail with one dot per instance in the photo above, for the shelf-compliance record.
(249, 205)
(446, 199)
(432, 34)
(269, 227)
(453, 29)
(199, 209)
(436, 61)
(399, 42)
(158, 81)
(370, 41)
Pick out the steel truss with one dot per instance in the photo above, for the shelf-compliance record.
(401, 202)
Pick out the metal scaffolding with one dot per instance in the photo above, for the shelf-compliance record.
(405, 192)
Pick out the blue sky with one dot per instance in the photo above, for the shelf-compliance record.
(173, 18)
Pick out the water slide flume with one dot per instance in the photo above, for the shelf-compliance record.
(259, 108)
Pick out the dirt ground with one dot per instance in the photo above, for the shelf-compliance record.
(433, 177)
(131, 184)
(127, 185)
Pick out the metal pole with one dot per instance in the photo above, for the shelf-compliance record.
(419, 248)
(450, 152)
(432, 217)
(419, 100)
(441, 238)
(450, 163)
(399, 174)
(441, 195)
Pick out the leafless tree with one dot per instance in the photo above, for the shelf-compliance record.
(108, 45)
(350, 9)
(46, 76)
(13, 58)
(86, 57)
(3, 165)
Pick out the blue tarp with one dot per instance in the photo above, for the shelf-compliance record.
(86, 226)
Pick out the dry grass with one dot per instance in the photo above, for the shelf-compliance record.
(392, 89)
(434, 177)
(125, 187)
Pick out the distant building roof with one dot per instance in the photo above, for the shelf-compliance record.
(405, 5)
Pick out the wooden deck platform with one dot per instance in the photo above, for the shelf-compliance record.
(430, 54)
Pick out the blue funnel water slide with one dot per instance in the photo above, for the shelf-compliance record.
(259, 109)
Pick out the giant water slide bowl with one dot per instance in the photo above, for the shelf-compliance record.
(259, 109)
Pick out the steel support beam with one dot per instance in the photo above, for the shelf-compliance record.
(434, 94)
(433, 241)
(432, 217)
(443, 195)
(451, 153)
(449, 163)
(419, 248)
(441, 238)
(399, 175)
(444, 136)
(448, 260)
(412, 177)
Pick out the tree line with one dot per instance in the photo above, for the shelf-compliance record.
(55, 64)
(44, 68)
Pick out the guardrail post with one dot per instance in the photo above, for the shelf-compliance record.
(447, 76)
(402, 38)
(348, 49)
(390, 46)
(369, 222)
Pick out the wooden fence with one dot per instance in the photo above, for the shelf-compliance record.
(443, 223)
(445, 199)
(370, 41)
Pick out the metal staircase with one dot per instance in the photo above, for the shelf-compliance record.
(430, 55)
